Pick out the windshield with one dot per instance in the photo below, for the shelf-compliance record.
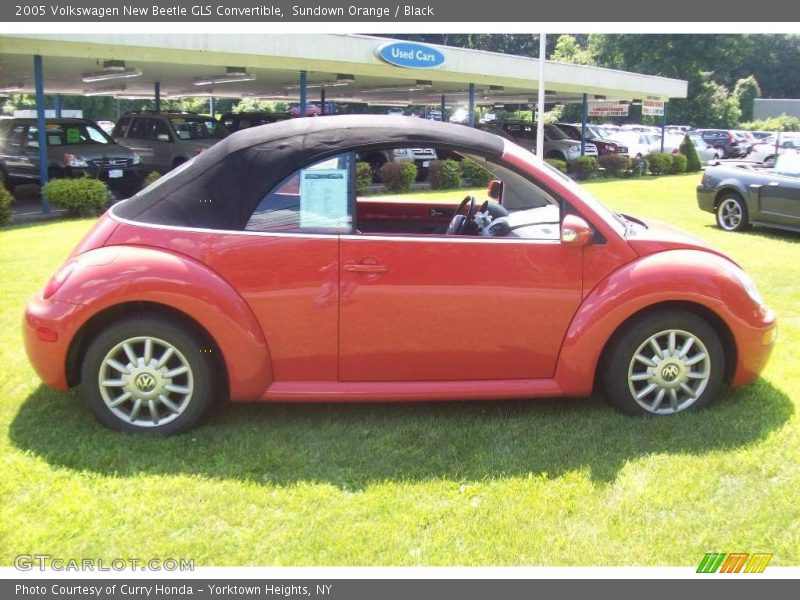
(68, 134)
(615, 220)
(198, 128)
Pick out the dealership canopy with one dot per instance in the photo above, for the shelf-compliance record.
(354, 68)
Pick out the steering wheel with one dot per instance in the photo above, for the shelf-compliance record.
(463, 217)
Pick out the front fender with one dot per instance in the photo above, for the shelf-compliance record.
(688, 276)
(114, 275)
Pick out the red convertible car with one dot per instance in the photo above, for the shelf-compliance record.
(256, 271)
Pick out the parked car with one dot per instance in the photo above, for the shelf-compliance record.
(725, 141)
(557, 144)
(603, 144)
(312, 110)
(767, 151)
(706, 154)
(167, 140)
(742, 195)
(638, 144)
(236, 121)
(75, 148)
(256, 272)
(746, 139)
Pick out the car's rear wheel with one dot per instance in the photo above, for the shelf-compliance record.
(770, 161)
(732, 212)
(663, 363)
(148, 374)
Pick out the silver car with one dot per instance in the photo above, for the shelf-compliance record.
(166, 140)
(557, 144)
(75, 147)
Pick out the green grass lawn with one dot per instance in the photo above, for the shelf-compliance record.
(509, 483)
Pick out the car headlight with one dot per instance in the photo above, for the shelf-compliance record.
(136, 159)
(75, 160)
(401, 151)
(749, 286)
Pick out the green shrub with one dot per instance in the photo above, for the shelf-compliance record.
(584, 167)
(783, 122)
(363, 177)
(475, 174)
(82, 196)
(150, 178)
(659, 163)
(679, 163)
(687, 149)
(444, 174)
(560, 165)
(5, 205)
(615, 164)
(398, 177)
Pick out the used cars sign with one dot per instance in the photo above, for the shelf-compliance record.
(410, 55)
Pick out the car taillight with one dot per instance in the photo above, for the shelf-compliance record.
(57, 280)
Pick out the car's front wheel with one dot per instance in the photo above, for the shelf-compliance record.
(732, 212)
(148, 374)
(663, 363)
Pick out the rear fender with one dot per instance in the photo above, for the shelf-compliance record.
(113, 275)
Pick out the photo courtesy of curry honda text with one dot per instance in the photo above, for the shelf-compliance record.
(265, 269)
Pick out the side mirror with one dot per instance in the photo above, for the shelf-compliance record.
(163, 137)
(575, 231)
(495, 190)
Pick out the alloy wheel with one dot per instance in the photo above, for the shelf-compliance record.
(146, 381)
(669, 371)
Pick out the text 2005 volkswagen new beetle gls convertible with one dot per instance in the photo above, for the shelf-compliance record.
(257, 271)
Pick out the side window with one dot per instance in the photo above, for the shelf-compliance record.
(17, 136)
(141, 128)
(160, 131)
(315, 199)
(121, 127)
(423, 202)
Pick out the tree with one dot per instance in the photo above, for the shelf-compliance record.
(690, 152)
(568, 50)
(746, 91)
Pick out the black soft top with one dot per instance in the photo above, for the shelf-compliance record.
(221, 187)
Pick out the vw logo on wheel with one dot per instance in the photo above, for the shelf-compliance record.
(670, 373)
(145, 382)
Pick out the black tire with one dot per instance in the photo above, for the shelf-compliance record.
(190, 349)
(770, 161)
(623, 364)
(731, 212)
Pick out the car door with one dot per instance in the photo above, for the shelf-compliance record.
(438, 307)
(779, 196)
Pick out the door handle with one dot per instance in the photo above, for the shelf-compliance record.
(362, 268)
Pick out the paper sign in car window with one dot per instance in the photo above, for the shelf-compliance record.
(73, 135)
(323, 199)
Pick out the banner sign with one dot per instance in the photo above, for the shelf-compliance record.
(653, 107)
(607, 109)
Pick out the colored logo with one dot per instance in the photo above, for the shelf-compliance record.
(145, 382)
(734, 562)
(670, 373)
(410, 55)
